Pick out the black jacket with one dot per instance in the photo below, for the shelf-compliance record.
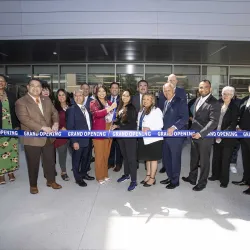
(230, 121)
(12, 100)
(244, 122)
(131, 118)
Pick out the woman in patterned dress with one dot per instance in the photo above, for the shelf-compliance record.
(8, 145)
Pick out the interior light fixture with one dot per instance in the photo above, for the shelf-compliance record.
(240, 77)
(54, 53)
(104, 49)
(129, 69)
(218, 51)
(3, 54)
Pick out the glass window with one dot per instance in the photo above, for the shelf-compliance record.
(103, 74)
(128, 75)
(72, 76)
(156, 76)
(49, 74)
(188, 78)
(2, 70)
(240, 79)
(18, 77)
(217, 76)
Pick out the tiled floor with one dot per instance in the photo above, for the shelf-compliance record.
(109, 217)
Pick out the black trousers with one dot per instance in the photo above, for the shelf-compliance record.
(80, 162)
(221, 161)
(33, 155)
(200, 156)
(245, 150)
(129, 152)
(115, 156)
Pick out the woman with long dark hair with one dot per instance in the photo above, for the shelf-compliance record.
(102, 113)
(62, 103)
(126, 120)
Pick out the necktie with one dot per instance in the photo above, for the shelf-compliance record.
(113, 99)
(83, 109)
(165, 107)
(37, 100)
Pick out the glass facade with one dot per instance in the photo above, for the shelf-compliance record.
(70, 76)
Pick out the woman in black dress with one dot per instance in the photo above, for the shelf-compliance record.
(150, 148)
(126, 120)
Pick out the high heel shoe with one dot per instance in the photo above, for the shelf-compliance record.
(143, 182)
(11, 177)
(149, 185)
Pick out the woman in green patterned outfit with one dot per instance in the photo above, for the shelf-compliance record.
(8, 145)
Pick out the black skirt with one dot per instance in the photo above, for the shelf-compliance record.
(149, 152)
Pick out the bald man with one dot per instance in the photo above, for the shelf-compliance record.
(179, 92)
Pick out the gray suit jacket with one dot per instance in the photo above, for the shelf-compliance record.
(206, 118)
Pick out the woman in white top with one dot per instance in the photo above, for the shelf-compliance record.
(150, 148)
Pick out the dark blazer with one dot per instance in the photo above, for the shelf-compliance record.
(12, 100)
(87, 105)
(131, 117)
(136, 102)
(230, 121)
(75, 120)
(178, 92)
(206, 118)
(176, 114)
(244, 121)
(117, 99)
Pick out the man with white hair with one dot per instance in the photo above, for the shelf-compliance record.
(175, 117)
(78, 118)
(178, 92)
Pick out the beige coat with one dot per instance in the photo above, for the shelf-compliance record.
(32, 119)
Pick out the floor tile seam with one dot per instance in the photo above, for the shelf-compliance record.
(90, 213)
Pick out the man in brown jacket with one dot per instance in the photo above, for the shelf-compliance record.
(37, 113)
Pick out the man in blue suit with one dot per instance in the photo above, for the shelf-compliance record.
(115, 157)
(175, 117)
(78, 118)
(178, 92)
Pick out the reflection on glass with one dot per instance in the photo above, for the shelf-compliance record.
(218, 78)
(188, 78)
(128, 75)
(240, 79)
(71, 82)
(157, 76)
(51, 79)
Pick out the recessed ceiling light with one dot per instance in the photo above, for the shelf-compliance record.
(54, 53)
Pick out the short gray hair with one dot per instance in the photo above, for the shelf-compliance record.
(228, 89)
(78, 91)
(170, 84)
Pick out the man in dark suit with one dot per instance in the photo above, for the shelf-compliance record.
(87, 97)
(244, 124)
(175, 116)
(205, 120)
(115, 157)
(178, 92)
(36, 113)
(78, 118)
(142, 88)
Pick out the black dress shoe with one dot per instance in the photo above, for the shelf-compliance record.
(247, 191)
(212, 178)
(162, 170)
(172, 186)
(82, 183)
(223, 186)
(165, 182)
(88, 178)
(198, 188)
(186, 179)
(92, 159)
(240, 183)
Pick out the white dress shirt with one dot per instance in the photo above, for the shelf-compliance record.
(248, 102)
(201, 101)
(86, 114)
(85, 100)
(39, 104)
(113, 98)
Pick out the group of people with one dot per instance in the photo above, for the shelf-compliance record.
(35, 112)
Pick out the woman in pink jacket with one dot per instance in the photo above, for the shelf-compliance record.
(102, 114)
